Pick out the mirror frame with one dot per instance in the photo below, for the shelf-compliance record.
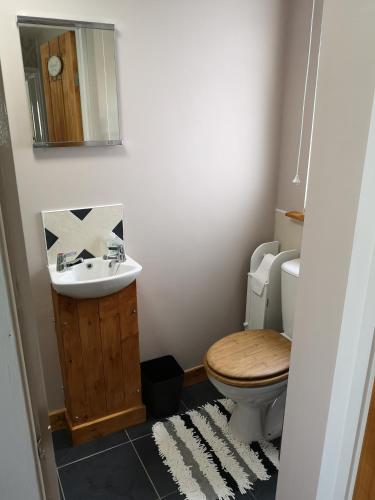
(66, 23)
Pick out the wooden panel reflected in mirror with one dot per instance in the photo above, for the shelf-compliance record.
(71, 83)
(61, 90)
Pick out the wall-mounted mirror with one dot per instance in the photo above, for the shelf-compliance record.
(70, 74)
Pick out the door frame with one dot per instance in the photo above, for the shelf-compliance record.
(350, 405)
(23, 316)
(20, 403)
(335, 317)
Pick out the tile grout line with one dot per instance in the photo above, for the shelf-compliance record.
(186, 408)
(60, 483)
(143, 465)
(92, 455)
(183, 402)
(141, 437)
(169, 494)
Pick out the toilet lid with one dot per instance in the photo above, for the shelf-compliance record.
(250, 355)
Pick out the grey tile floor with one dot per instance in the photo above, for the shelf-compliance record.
(126, 465)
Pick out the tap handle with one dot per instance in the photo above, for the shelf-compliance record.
(61, 257)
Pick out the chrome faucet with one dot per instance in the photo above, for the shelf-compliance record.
(62, 264)
(116, 254)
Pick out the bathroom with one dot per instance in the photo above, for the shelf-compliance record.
(214, 146)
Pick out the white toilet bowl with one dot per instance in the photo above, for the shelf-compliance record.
(259, 411)
(251, 368)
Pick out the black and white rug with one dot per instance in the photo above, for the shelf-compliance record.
(204, 458)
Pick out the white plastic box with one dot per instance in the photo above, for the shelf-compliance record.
(263, 305)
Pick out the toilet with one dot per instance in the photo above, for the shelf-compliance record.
(251, 368)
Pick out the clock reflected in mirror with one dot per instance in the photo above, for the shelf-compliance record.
(54, 65)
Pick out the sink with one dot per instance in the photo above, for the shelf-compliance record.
(94, 277)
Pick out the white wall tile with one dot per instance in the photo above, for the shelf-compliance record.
(90, 234)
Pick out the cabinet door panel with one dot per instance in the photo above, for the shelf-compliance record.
(89, 328)
(75, 382)
(132, 371)
(112, 352)
(128, 311)
(130, 345)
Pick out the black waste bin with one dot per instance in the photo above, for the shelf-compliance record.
(162, 380)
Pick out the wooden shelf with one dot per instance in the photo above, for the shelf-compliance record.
(293, 214)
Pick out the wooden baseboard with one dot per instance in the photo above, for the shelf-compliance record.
(192, 376)
(57, 420)
(195, 375)
(106, 425)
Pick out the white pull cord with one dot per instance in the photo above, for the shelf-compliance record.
(297, 179)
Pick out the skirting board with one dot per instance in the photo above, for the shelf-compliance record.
(195, 375)
(192, 376)
(57, 420)
(106, 425)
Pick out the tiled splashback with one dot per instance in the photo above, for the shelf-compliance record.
(84, 230)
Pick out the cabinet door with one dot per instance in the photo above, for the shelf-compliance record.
(365, 483)
(112, 352)
(130, 345)
(93, 369)
(74, 383)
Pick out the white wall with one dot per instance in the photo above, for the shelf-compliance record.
(288, 231)
(200, 88)
(334, 267)
(291, 196)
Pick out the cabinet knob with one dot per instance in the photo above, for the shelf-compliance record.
(134, 311)
(76, 418)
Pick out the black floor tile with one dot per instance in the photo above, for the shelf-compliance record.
(158, 472)
(144, 429)
(265, 490)
(174, 496)
(112, 475)
(199, 394)
(245, 496)
(65, 452)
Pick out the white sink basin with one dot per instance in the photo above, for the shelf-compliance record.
(94, 277)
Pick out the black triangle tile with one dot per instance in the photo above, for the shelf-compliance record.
(81, 213)
(85, 254)
(119, 230)
(50, 238)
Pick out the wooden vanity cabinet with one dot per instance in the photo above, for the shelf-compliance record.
(99, 354)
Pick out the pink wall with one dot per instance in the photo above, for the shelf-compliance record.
(200, 93)
(289, 195)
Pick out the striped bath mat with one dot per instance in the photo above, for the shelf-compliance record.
(205, 459)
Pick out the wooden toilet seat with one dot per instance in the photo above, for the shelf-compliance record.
(251, 358)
